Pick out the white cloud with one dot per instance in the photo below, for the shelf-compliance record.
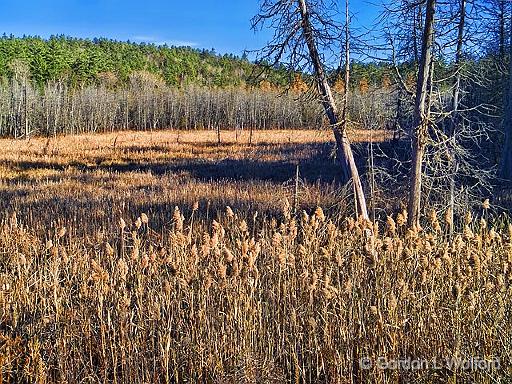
(159, 41)
(178, 43)
(148, 39)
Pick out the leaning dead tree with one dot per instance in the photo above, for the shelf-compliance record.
(305, 31)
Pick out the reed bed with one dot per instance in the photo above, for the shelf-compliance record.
(301, 299)
(79, 181)
(140, 258)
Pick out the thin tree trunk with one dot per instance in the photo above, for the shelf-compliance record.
(458, 64)
(415, 25)
(347, 69)
(421, 118)
(26, 118)
(454, 122)
(501, 17)
(344, 149)
(506, 162)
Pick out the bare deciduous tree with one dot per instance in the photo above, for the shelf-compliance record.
(304, 32)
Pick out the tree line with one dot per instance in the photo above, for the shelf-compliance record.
(64, 85)
(145, 103)
(81, 62)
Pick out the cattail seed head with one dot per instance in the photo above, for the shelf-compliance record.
(474, 262)
(144, 261)
(305, 217)
(276, 239)
(448, 217)
(61, 233)
(122, 269)
(468, 233)
(319, 213)
(216, 226)
(401, 218)
(177, 219)
(432, 216)
(281, 258)
(243, 226)
(287, 209)
(109, 250)
(228, 255)
(492, 235)
(222, 271)
(167, 288)
(390, 226)
(292, 227)
(468, 218)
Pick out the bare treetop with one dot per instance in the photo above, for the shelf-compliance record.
(287, 44)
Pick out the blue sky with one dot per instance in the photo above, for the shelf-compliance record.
(222, 25)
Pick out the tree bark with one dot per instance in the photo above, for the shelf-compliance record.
(506, 161)
(347, 69)
(454, 121)
(501, 16)
(344, 149)
(421, 118)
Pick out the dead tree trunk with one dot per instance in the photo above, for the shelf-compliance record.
(501, 17)
(455, 120)
(344, 118)
(506, 161)
(344, 149)
(421, 116)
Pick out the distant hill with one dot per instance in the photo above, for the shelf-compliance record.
(84, 61)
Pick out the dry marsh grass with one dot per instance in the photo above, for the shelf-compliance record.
(103, 279)
(98, 178)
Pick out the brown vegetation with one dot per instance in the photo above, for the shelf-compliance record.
(90, 179)
(104, 279)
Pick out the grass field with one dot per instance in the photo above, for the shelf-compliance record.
(165, 257)
(99, 178)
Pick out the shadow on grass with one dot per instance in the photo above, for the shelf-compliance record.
(81, 210)
(314, 159)
(85, 215)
